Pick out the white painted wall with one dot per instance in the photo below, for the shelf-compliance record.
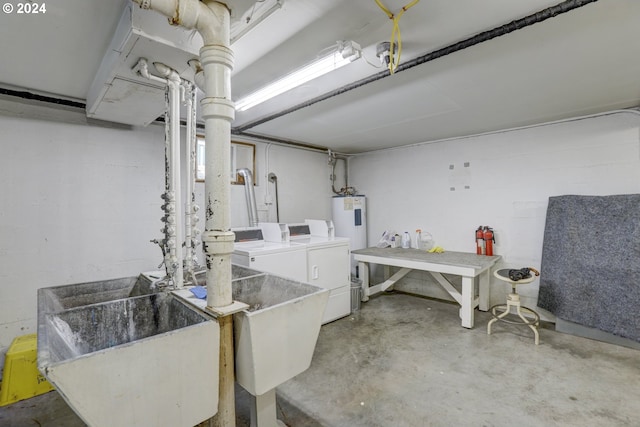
(304, 189)
(81, 201)
(510, 177)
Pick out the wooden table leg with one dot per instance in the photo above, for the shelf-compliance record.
(484, 290)
(467, 303)
(363, 270)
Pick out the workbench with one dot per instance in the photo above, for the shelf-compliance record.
(467, 265)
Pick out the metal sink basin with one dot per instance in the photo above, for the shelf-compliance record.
(58, 298)
(134, 361)
(237, 272)
(276, 337)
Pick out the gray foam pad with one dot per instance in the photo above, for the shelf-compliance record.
(590, 272)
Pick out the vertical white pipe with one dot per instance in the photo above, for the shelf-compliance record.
(218, 111)
(188, 240)
(190, 158)
(175, 188)
(172, 258)
(194, 167)
(169, 226)
(212, 20)
(175, 168)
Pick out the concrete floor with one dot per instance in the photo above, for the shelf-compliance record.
(406, 361)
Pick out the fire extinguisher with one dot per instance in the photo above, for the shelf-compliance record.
(480, 248)
(489, 240)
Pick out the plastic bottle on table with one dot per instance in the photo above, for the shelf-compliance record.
(418, 242)
(406, 240)
(426, 241)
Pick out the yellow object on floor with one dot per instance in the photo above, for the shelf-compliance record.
(21, 379)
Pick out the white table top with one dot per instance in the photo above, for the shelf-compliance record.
(464, 263)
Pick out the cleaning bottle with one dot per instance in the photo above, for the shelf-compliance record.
(418, 242)
(406, 240)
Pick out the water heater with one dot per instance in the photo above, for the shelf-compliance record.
(350, 220)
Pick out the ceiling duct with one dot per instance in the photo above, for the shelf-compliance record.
(118, 93)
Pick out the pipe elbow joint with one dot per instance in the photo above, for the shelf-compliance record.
(206, 17)
(167, 72)
(213, 22)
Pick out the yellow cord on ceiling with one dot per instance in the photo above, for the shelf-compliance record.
(395, 33)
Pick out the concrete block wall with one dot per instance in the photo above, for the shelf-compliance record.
(502, 179)
(81, 199)
(80, 203)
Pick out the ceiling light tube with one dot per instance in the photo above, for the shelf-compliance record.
(309, 72)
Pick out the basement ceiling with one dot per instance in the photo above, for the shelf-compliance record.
(581, 62)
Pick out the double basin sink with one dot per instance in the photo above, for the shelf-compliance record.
(125, 352)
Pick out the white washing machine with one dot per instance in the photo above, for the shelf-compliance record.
(328, 264)
(281, 258)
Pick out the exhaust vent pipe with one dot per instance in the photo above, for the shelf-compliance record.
(250, 195)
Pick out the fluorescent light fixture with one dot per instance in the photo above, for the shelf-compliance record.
(346, 53)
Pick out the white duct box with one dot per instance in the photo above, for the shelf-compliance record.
(117, 93)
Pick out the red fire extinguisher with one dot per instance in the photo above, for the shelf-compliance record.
(489, 240)
(480, 248)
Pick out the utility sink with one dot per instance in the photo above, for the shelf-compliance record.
(128, 360)
(58, 298)
(237, 272)
(276, 337)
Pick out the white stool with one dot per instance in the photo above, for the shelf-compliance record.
(513, 300)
